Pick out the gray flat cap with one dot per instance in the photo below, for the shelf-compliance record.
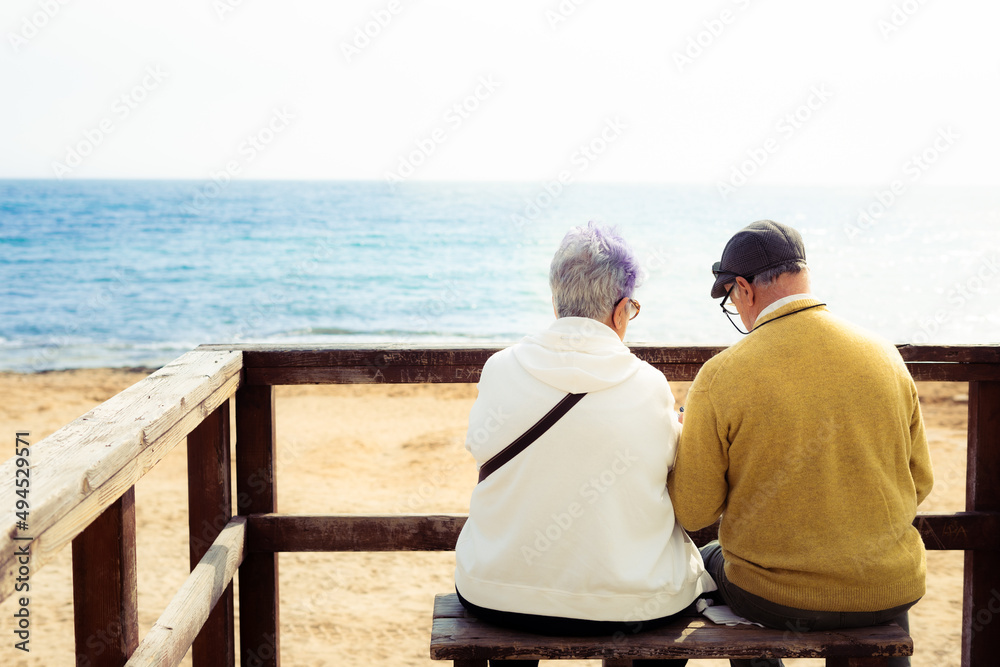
(759, 246)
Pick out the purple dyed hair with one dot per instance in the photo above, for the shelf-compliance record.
(593, 269)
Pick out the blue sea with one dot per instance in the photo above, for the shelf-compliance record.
(134, 273)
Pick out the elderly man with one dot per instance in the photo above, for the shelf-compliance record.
(806, 438)
(575, 533)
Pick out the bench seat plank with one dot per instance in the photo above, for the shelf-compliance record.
(456, 635)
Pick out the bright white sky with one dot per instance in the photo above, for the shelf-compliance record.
(886, 95)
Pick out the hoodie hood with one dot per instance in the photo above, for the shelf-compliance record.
(577, 354)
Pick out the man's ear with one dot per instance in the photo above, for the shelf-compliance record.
(748, 289)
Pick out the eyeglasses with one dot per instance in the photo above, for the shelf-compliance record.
(731, 310)
(635, 304)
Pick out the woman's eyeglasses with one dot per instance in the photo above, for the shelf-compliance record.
(635, 304)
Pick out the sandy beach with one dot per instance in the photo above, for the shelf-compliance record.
(375, 449)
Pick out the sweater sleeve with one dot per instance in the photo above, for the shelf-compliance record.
(920, 457)
(697, 484)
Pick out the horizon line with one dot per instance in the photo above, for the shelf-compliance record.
(696, 184)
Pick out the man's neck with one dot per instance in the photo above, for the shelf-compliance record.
(780, 303)
(786, 285)
(773, 295)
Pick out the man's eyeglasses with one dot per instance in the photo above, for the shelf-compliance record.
(730, 309)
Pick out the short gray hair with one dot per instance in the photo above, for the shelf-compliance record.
(765, 278)
(593, 269)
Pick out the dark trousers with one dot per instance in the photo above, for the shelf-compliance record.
(565, 627)
(765, 612)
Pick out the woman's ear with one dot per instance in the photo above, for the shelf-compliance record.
(621, 313)
(620, 318)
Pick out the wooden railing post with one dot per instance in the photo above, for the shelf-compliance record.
(210, 507)
(257, 494)
(105, 605)
(981, 605)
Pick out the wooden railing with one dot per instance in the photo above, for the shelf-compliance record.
(83, 477)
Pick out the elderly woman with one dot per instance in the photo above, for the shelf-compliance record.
(575, 533)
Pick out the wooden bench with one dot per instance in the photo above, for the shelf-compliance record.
(460, 637)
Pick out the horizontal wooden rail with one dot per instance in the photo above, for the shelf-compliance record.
(439, 532)
(346, 532)
(405, 354)
(84, 467)
(967, 354)
(175, 631)
(367, 364)
(941, 532)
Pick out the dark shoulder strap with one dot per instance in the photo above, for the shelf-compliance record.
(529, 436)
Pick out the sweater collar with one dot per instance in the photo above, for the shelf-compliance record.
(793, 304)
(781, 302)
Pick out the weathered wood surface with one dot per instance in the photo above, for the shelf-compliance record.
(457, 636)
(406, 354)
(363, 375)
(367, 364)
(439, 532)
(960, 530)
(945, 372)
(85, 466)
(105, 597)
(210, 508)
(981, 602)
(175, 631)
(430, 532)
(975, 354)
(361, 364)
(256, 440)
(949, 532)
(378, 356)
(940, 372)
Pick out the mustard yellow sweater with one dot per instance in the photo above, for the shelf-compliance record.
(806, 436)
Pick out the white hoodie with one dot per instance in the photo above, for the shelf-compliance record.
(578, 525)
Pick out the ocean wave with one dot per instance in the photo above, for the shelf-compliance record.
(29, 357)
